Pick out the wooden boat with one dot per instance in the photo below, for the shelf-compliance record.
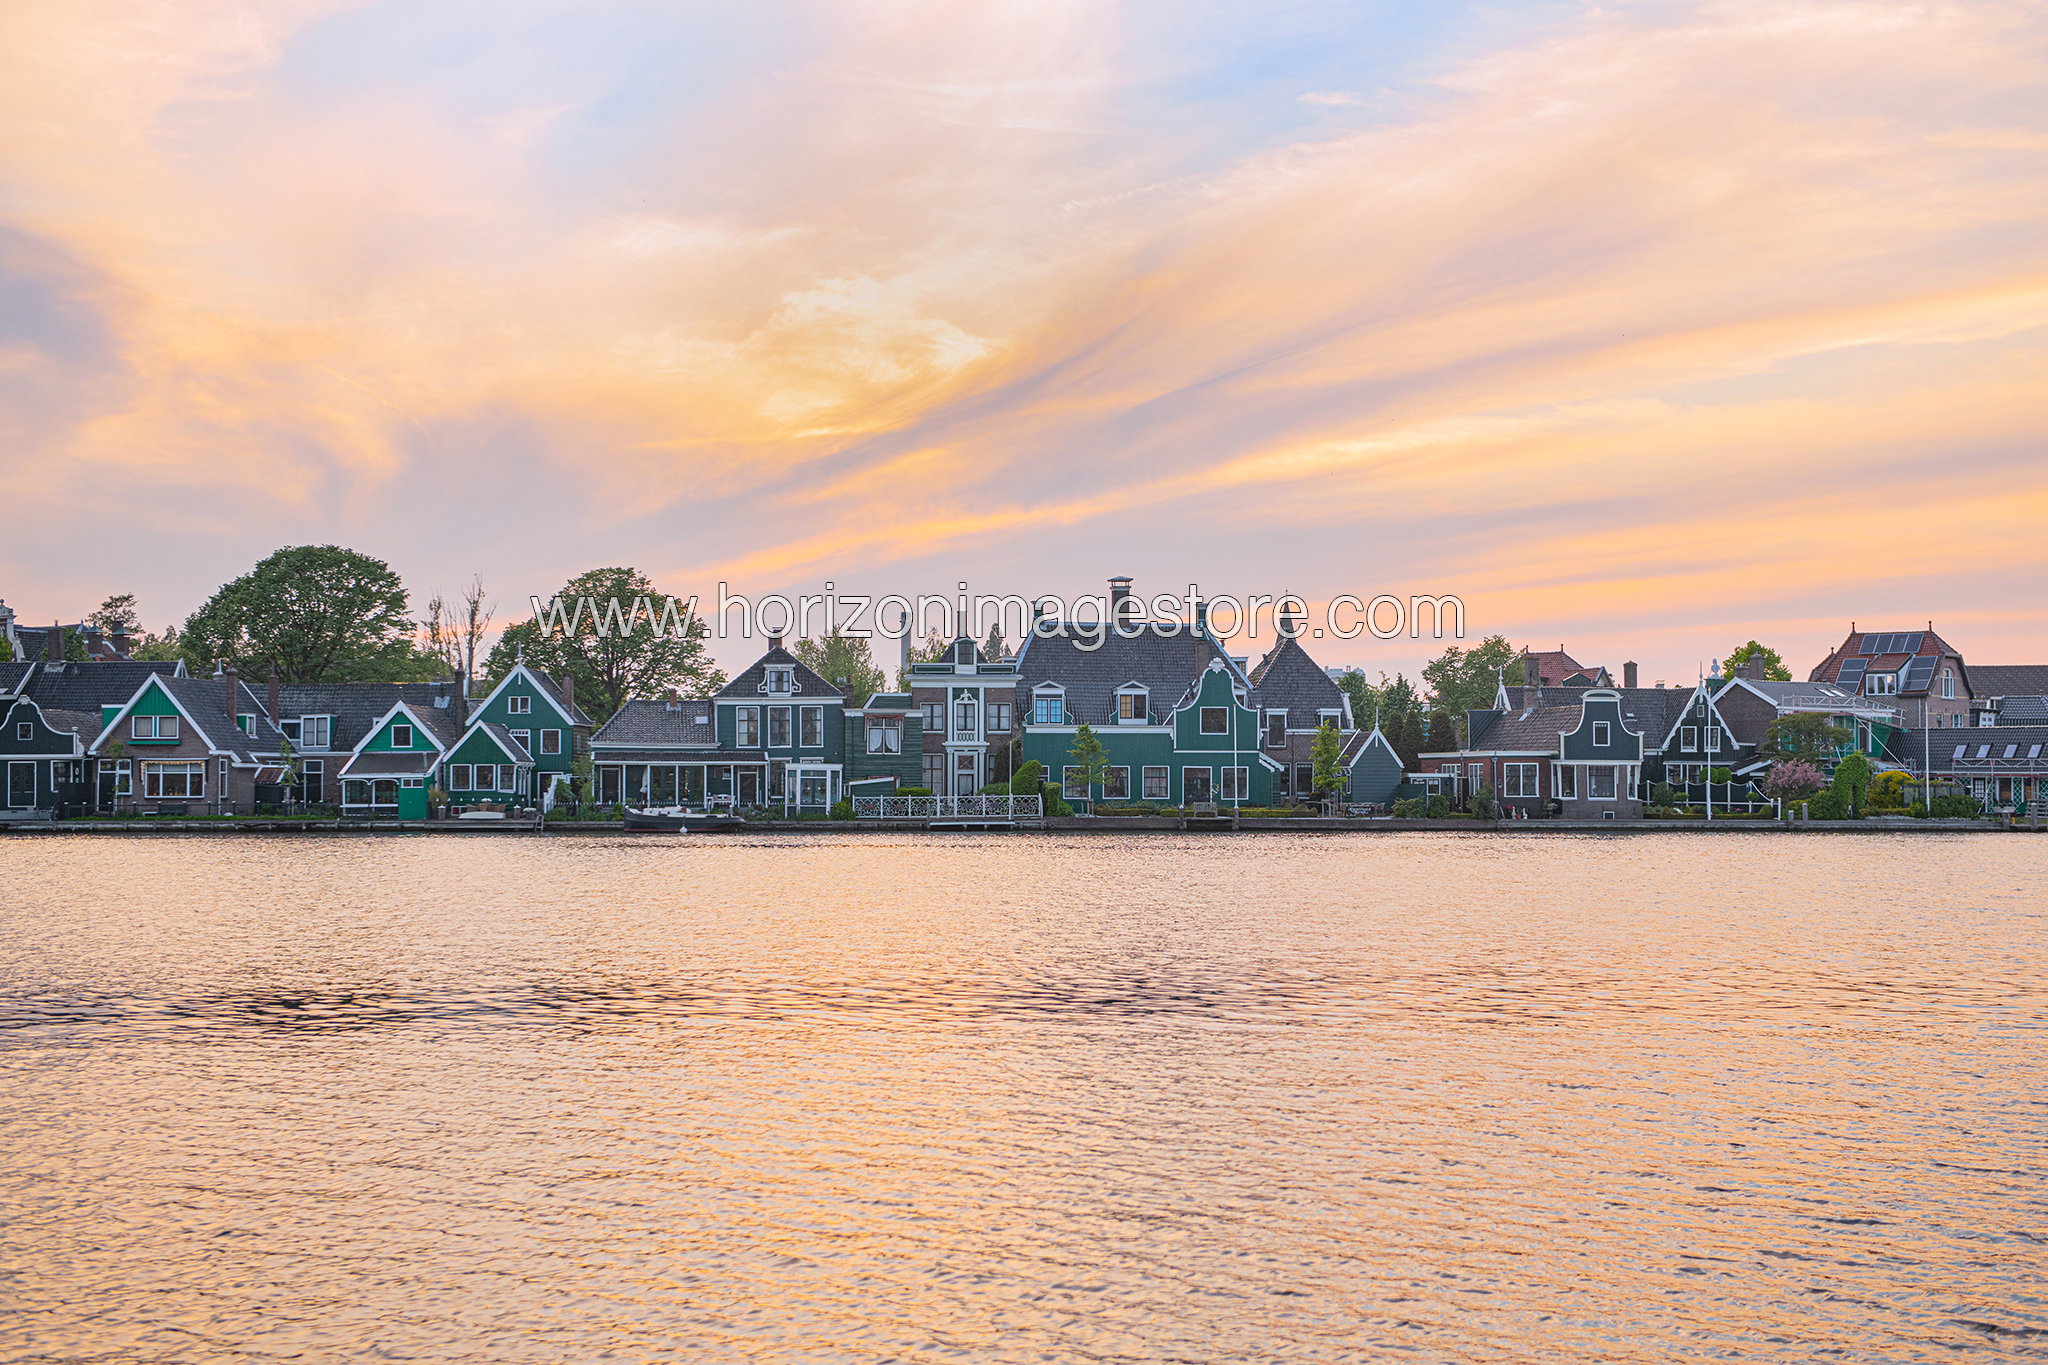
(679, 820)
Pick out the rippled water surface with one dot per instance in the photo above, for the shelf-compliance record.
(1023, 1098)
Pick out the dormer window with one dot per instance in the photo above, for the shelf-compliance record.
(779, 682)
(1047, 708)
(1132, 706)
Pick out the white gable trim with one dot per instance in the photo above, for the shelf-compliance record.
(127, 706)
(419, 727)
(545, 694)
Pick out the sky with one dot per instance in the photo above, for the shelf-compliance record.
(1645, 330)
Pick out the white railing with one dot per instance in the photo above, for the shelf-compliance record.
(945, 807)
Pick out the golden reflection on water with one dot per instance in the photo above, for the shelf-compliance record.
(1000, 1098)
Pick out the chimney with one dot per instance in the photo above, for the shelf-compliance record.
(53, 648)
(903, 640)
(121, 642)
(1532, 675)
(1628, 675)
(1121, 606)
(234, 697)
(569, 693)
(774, 643)
(274, 686)
(959, 623)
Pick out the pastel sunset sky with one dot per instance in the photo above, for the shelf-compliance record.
(1643, 329)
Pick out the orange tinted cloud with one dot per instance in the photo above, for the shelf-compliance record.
(1634, 330)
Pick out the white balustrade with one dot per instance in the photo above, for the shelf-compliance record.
(945, 807)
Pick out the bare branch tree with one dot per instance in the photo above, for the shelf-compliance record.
(475, 622)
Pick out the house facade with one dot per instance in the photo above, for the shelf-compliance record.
(43, 757)
(540, 714)
(192, 745)
(1586, 756)
(966, 709)
(1917, 671)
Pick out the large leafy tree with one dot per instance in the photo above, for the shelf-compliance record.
(582, 638)
(1390, 703)
(936, 642)
(117, 613)
(843, 661)
(1412, 741)
(318, 613)
(1774, 667)
(1462, 680)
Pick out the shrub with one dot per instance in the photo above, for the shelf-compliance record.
(1793, 780)
(1060, 807)
(913, 791)
(1409, 808)
(1482, 805)
(1439, 807)
(842, 809)
(1663, 794)
(1828, 805)
(1956, 807)
(1887, 791)
(1852, 780)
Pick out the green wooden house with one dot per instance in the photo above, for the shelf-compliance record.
(43, 755)
(388, 772)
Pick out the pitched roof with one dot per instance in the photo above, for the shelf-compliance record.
(2023, 711)
(85, 724)
(1650, 711)
(11, 674)
(204, 700)
(2009, 680)
(747, 686)
(653, 722)
(1169, 666)
(1909, 748)
(89, 686)
(1288, 679)
(1889, 649)
(358, 706)
(1555, 668)
(409, 762)
(577, 715)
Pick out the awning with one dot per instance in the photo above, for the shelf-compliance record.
(268, 776)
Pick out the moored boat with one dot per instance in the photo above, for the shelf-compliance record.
(679, 820)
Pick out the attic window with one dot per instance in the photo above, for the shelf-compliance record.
(1602, 734)
(25, 730)
(1130, 706)
(1215, 720)
(401, 736)
(780, 681)
(518, 706)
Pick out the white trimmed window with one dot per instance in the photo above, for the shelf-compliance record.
(187, 780)
(1518, 779)
(812, 732)
(999, 718)
(934, 716)
(1688, 738)
(25, 730)
(152, 727)
(1603, 734)
(1600, 782)
(524, 739)
(1195, 783)
(401, 736)
(1117, 786)
(1048, 710)
(519, 706)
(1237, 784)
(1215, 720)
(746, 727)
(1074, 782)
(778, 727)
(885, 735)
(1567, 779)
(318, 730)
(458, 777)
(551, 741)
(1276, 729)
(964, 717)
(1158, 784)
(1948, 684)
(1713, 739)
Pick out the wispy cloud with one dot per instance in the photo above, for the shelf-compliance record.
(1622, 325)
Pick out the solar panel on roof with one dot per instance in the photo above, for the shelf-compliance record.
(1869, 645)
(1914, 641)
(1918, 674)
(1852, 672)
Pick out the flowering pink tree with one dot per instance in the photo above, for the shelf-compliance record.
(1794, 780)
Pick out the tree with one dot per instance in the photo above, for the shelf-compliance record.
(1089, 755)
(642, 661)
(454, 634)
(993, 648)
(1328, 754)
(1388, 704)
(843, 661)
(1774, 667)
(159, 649)
(1466, 680)
(117, 615)
(935, 643)
(6, 650)
(1412, 742)
(1443, 733)
(1807, 736)
(1851, 786)
(74, 646)
(1793, 780)
(317, 613)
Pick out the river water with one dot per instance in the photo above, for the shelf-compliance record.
(1023, 1098)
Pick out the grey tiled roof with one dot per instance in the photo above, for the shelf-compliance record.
(86, 724)
(1650, 711)
(89, 686)
(652, 722)
(386, 762)
(577, 715)
(747, 686)
(358, 706)
(1169, 666)
(1288, 679)
(205, 700)
(2023, 711)
(2009, 680)
(1909, 748)
(11, 674)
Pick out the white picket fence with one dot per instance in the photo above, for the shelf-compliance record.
(945, 807)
